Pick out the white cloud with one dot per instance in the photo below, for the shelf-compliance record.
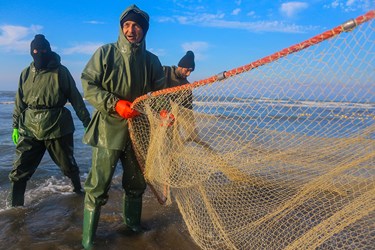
(17, 38)
(218, 21)
(350, 2)
(165, 19)
(87, 48)
(251, 13)
(158, 52)
(351, 5)
(94, 22)
(290, 9)
(198, 47)
(199, 19)
(335, 4)
(235, 12)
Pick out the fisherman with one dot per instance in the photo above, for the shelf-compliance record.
(113, 78)
(40, 120)
(177, 76)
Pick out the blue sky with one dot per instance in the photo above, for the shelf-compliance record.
(223, 34)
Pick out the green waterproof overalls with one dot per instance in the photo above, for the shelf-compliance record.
(116, 71)
(45, 124)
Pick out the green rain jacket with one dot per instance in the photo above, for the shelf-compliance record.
(117, 71)
(42, 94)
(173, 80)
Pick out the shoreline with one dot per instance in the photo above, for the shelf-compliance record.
(56, 223)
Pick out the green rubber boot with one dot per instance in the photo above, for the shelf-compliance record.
(18, 193)
(132, 214)
(90, 224)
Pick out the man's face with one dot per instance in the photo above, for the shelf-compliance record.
(41, 58)
(184, 72)
(132, 31)
(36, 51)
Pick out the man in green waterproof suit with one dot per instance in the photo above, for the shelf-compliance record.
(40, 120)
(115, 75)
(177, 76)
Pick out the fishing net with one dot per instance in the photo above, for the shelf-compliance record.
(277, 154)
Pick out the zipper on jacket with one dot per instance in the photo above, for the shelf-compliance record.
(34, 76)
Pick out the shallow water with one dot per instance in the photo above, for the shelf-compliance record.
(56, 223)
(53, 215)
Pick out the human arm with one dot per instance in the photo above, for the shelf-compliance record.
(98, 91)
(74, 97)
(19, 106)
(158, 79)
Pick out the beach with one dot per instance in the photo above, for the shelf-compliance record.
(56, 223)
(53, 215)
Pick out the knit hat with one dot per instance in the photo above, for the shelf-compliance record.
(138, 18)
(40, 43)
(187, 61)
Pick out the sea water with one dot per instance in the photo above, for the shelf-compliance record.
(53, 215)
(48, 177)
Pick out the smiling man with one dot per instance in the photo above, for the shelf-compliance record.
(115, 75)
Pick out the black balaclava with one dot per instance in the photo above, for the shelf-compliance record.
(187, 61)
(43, 55)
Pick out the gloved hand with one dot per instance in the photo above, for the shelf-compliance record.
(123, 108)
(167, 119)
(15, 136)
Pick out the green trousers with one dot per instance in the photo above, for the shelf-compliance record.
(98, 182)
(97, 185)
(29, 153)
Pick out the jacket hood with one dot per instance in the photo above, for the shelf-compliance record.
(122, 41)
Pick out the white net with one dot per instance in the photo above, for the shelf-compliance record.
(278, 155)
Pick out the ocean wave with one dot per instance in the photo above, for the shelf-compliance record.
(40, 190)
(6, 102)
(288, 103)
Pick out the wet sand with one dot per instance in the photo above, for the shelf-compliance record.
(56, 223)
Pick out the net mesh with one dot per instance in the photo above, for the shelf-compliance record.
(277, 154)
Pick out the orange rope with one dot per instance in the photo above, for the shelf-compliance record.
(162, 197)
(303, 45)
(292, 49)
